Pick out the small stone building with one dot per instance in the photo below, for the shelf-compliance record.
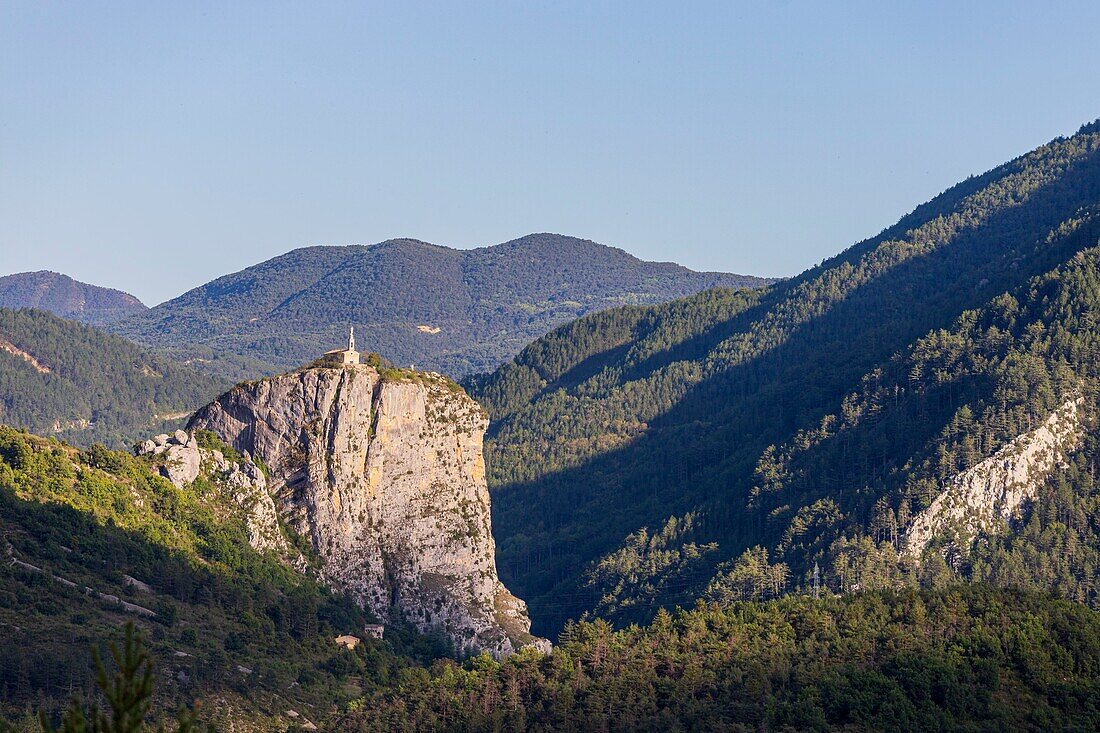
(341, 357)
(348, 641)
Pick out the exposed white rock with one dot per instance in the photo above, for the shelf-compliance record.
(182, 464)
(991, 495)
(387, 480)
(137, 584)
(243, 483)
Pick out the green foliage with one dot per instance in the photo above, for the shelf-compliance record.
(488, 303)
(77, 526)
(129, 695)
(650, 569)
(972, 658)
(750, 578)
(88, 386)
(962, 658)
(208, 440)
(813, 419)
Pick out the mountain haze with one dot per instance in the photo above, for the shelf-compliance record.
(61, 295)
(726, 444)
(456, 311)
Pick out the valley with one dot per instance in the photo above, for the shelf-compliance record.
(690, 501)
(549, 367)
(812, 421)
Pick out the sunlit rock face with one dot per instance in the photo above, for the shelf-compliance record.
(991, 495)
(240, 486)
(386, 477)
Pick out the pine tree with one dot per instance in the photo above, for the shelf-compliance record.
(129, 695)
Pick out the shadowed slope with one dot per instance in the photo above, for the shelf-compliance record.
(627, 418)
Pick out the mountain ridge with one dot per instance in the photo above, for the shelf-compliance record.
(485, 302)
(701, 429)
(68, 298)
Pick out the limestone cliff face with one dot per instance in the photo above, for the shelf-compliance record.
(387, 480)
(987, 497)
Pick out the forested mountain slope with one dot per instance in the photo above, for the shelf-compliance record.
(67, 379)
(456, 311)
(92, 539)
(61, 295)
(728, 443)
(960, 659)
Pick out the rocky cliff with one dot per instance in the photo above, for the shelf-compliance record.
(241, 486)
(386, 478)
(987, 497)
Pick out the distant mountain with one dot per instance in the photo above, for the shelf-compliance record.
(58, 377)
(61, 295)
(918, 408)
(456, 311)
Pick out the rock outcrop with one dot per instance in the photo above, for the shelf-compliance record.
(986, 498)
(241, 482)
(386, 477)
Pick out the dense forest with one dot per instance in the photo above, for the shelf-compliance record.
(966, 658)
(726, 444)
(71, 380)
(455, 311)
(972, 658)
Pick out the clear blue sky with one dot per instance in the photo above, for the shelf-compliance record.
(152, 146)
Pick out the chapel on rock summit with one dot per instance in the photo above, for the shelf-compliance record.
(341, 357)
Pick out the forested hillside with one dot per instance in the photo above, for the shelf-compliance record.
(61, 295)
(456, 311)
(727, 444)
(71, 380)
(974, 659)
(92, 539)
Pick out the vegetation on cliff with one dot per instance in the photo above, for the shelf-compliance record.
(90, 539)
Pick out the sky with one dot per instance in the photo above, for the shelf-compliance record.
(154, 146)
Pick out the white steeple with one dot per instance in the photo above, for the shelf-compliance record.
(343, 356)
